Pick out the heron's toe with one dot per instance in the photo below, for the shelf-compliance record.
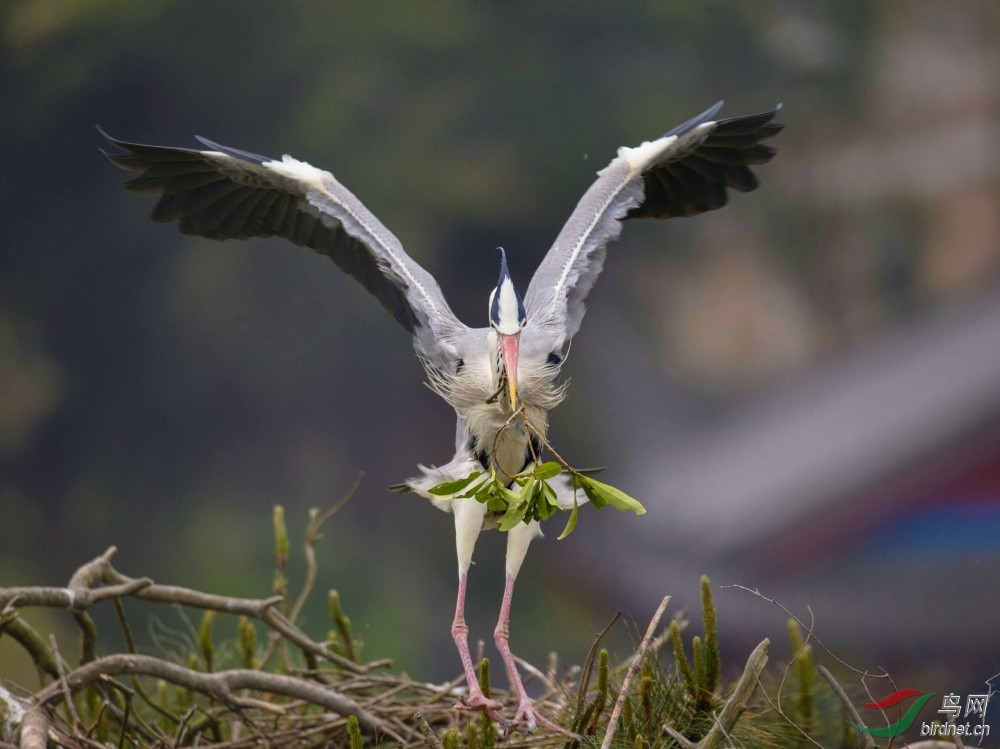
(479, 702)
(529, 719)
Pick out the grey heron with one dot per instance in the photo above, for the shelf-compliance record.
(496, 377)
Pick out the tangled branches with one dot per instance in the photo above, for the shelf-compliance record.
(320, 693)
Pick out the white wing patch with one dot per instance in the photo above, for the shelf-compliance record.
(638, 160)
(291, 168)
(640, 157)
(650, 153)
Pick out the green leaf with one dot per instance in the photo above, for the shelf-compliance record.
(528, 488)
(545, 502)
(513, 516)
(544, 511)
(601, 494)
(547, 471)
(449, 488)
(496, 504)
(571, 523)
(517, 505)
(596, 498)
(548, 495)
(490, 494)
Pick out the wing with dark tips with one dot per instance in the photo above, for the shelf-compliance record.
(699, 180)
(689, 170)
(225, 193)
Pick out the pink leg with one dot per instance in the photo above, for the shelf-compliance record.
(475, 700)
(526, 713)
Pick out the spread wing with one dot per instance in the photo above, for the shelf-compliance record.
(224, 193)
(687, 171)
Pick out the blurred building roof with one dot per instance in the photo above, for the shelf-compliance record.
(880, 470)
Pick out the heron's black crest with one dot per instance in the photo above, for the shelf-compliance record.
(506, 306)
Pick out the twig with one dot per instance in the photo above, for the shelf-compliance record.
(68, 698)
(680, 738)
(630, 674)
(136, 684)
(533, 670)
(185, 720)
(313, 534)
(218, 685)
(504, 428)
(798, 652)
(739, 699)
(125, 717)
(838, 690)
(789, 721)
(430, 738)
(845, 664)
(588, 666)
(548, 445)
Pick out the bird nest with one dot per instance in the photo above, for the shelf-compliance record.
(289, 690)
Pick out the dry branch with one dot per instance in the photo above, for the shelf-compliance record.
(838, 690)
(739, 699)
(34, 729)
(219, 685)
(630, 674)
(80, 594)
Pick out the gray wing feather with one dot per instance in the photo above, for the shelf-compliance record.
(555, 296)
(687, 171)
(226, 193)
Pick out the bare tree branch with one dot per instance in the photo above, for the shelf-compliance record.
(838, 690)
(219, 685)
(79, 596)
(313, 534)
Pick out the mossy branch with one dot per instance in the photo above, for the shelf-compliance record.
(713, 656)
(26, 636)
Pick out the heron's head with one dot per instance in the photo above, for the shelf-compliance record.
(507, 317)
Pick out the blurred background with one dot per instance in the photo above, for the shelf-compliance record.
(802, 388)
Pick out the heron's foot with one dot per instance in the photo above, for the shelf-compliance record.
(478, 702)
(528, 718)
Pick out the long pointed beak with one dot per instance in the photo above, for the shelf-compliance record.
(509, 345)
